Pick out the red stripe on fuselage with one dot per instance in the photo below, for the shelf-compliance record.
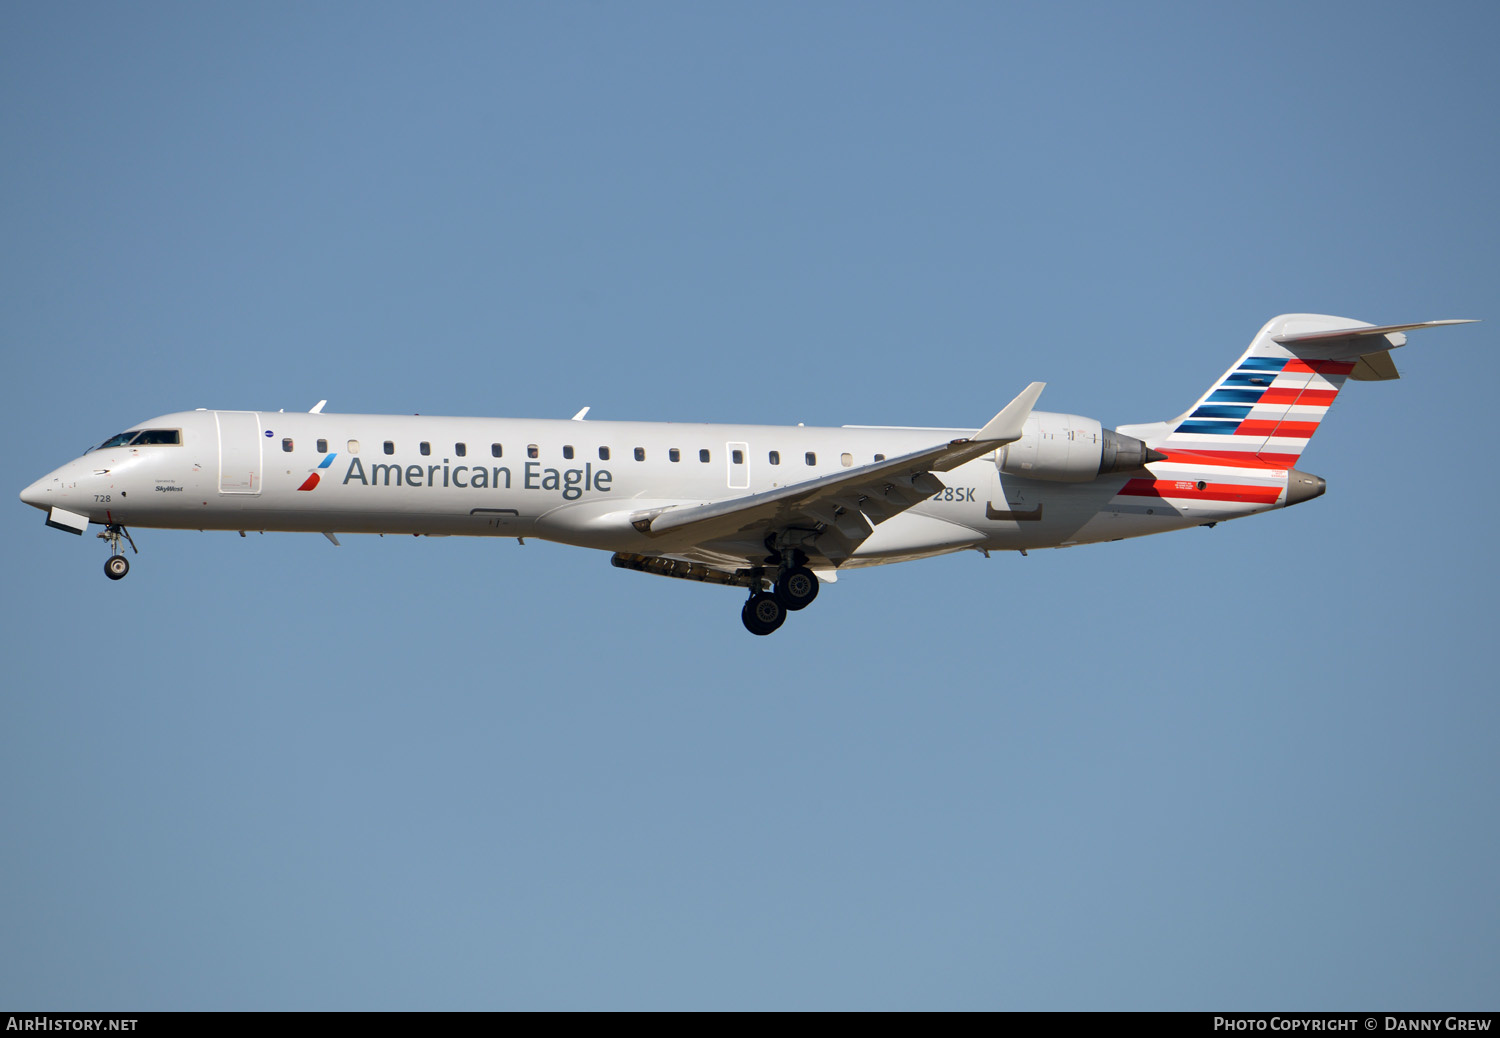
(1184, 489)
(1239, 459)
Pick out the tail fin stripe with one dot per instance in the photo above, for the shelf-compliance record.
(1292, 395)
(1240, 411)
(1234, 396)
(1285, 430)
(1292, 413)
(1210, 427)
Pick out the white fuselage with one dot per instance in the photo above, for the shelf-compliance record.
(583, 482)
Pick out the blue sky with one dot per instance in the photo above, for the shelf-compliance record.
(1246, 768)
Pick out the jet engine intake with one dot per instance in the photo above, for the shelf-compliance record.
(1071, 449)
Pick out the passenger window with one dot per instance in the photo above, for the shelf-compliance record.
(461, 449)
(812, 459)
(640, 454)
(703, 456)
(603, 453)
(531, 450)
(775, 457)
(880, 457)
(390, 447)
(738, 457)
(494, 450)
(425, 448)
(568, 452)
(674, 454)
(322, 446)
(286, 444)
(353, 446)
(846, 460)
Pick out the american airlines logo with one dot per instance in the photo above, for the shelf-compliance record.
(312, 480)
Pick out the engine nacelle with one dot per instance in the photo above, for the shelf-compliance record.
(1072, 449)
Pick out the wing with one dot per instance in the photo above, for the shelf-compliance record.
(842, 508)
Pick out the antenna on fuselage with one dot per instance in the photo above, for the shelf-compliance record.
(318, 408)
(579, 416)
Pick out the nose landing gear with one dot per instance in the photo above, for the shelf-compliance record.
(117, 565)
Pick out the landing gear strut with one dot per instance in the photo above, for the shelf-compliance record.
(117, 565)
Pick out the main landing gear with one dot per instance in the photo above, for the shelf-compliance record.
(763, 613)
(117, 565)
(796, 587)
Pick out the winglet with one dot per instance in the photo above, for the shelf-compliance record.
(1010, 423)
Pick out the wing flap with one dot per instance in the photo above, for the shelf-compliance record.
(896, 481)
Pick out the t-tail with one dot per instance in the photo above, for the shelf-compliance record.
(1239, 445)
(1265, 409)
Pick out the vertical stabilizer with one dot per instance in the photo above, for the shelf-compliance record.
(1265, 408)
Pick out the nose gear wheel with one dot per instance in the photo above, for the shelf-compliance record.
(117, 565)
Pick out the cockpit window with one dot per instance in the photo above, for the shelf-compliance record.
(158, 437)
(144, 437)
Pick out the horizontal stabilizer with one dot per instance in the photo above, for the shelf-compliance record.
(1346, 344)
(1355, 333)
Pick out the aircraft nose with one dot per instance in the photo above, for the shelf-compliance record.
(36, 494)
